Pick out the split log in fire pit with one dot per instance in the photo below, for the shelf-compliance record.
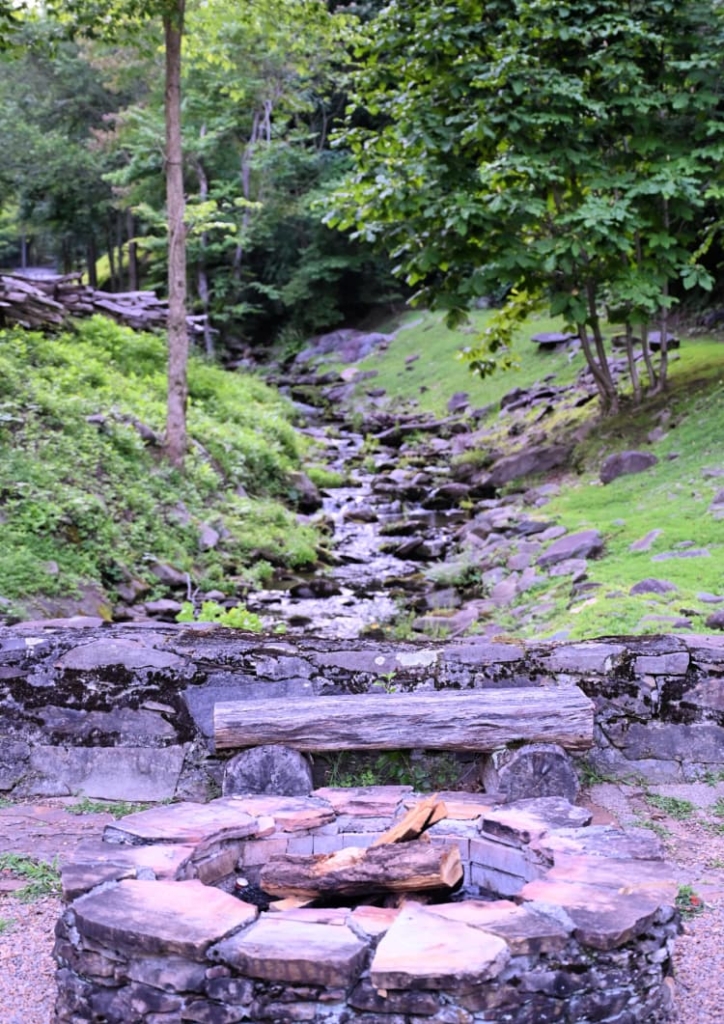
(398, 861)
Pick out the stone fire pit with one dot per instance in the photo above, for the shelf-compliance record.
(558, 920)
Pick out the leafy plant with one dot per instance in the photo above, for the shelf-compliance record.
(673, 806)
(237, 617)
(386, 682)
(6, 925)
(654, 826)
(718, 808)
(118, 808)
(688, 902)
(43, 877)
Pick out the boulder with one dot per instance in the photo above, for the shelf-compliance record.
(268, 769)
(624, 463)
(652, 586)
(586, 544)
(526, 462)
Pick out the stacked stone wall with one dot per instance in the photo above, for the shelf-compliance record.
(125, 712)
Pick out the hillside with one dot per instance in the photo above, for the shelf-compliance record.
(95, 523)
(663, 525)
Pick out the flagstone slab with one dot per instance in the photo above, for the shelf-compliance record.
(95, 862)
(161, 917)
(364, 801)
(525, 930)
(296, 952)
(623, 875)
(423, 950)
(183, 823)
(525, 821)
(602, 841)
(290, 814)
(374, 921)
(604, 918)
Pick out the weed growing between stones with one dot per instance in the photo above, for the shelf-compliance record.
(718, 808)
(118, 808)
(43, 878)
(676, 808)
(660, 830)
(688, 903)
(426, 773)
(5, 925)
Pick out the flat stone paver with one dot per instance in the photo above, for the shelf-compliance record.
(423, 950)
(296, 952)
(183, 823)
(95, 862)
(290, 814)
(166, 918)
(604, 918)
(526, 931)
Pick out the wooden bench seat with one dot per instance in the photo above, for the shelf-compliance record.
(472, 720)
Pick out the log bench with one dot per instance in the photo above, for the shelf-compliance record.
(474, 720)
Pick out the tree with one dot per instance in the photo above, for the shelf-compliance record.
(112, 21)
(564, 153)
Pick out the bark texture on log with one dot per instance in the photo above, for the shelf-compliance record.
(355, 871)
(479, 720)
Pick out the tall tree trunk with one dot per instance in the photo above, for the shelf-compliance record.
(632, 368)
(202, 278)
(91, 257)
(132, 252)
(178, 339)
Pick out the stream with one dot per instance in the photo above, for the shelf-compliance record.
(389, 526)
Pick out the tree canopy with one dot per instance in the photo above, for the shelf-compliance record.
(564, 153)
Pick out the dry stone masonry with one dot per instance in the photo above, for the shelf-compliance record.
(126, 712)
(558, 920)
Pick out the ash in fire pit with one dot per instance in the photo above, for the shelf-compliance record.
(558, 920)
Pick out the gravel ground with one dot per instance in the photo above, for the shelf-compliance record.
(27, 990)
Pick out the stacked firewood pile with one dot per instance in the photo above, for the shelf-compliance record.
(46, 302)
(401, 861)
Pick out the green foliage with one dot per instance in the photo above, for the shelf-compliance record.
(426, 773)
(43, 878)
(718, 808)
(237, 617)
(84, 492)
(571, 155)
(671, 805)
(117, 808)
(688, 902)
(325, 478)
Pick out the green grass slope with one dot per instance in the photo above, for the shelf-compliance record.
(85, 499)
(420, 369)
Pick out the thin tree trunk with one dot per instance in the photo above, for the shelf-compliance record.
(650, 368)
(632, 368)
(132, 252)
(664, 350)
(111, 260)
(178, 339)
(609, 395)
(202, 278)
(91, 257)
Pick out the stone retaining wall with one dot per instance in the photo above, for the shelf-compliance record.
(153, 934)
(125, 712)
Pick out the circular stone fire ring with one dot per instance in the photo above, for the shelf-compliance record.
(558, 919)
